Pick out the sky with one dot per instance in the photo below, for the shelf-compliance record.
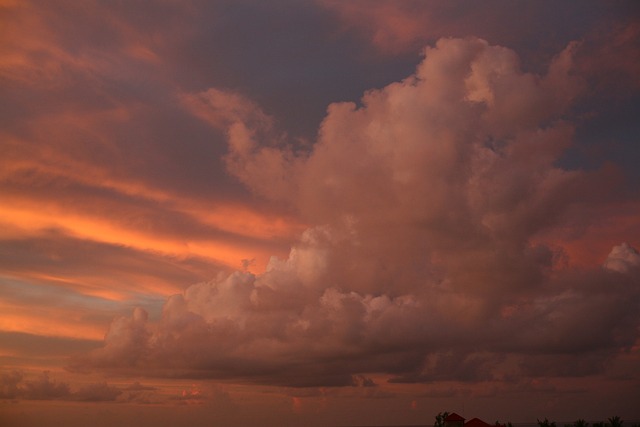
(318, 212)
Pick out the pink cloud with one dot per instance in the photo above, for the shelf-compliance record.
(426, 261)
(247, 126)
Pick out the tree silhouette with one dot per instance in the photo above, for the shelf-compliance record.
(546, 423)
(440, 419)
(580, 423)
(615, 421)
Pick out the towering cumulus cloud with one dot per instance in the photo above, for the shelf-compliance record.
(428, 259)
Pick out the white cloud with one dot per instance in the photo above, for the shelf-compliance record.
(623, 259)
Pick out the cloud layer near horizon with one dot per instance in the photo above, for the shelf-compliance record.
(439, 210)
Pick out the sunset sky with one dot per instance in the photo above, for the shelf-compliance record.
(318, 212)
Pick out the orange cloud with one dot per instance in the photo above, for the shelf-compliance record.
(45, 320)
(32, 218)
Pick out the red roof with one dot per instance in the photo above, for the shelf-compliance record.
(476, 422)
(454, 417)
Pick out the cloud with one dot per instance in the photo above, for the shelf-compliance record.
(42, 350)
(126, 338)
(136, 386)
(617, 51)
(44, 389)
(98, 392)
(85, 100)
(14, 385)
(9, 384)
(427, 262)
(623, 259)
(246, 124)
(396, 29)
(74, 132)
(362, 381)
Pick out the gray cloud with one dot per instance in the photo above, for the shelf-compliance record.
(9, 384)
(15, 385)
(45, 389)
(98, 392)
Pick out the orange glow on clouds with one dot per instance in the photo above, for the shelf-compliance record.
(48, 321)
(406, 225)
(32, 219)
(79, 284)
(244, 221)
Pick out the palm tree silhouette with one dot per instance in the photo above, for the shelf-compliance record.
(615, 421)
(546, 423)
